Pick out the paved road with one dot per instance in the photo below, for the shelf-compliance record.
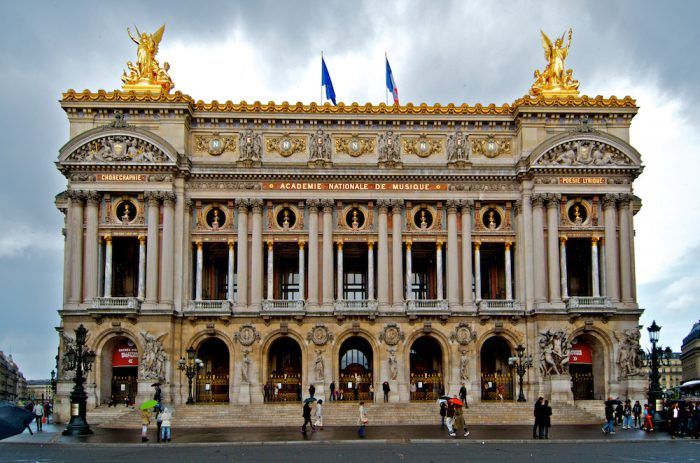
(366, 452)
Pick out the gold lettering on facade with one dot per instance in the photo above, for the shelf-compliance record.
(582, 180)
(355, 186)
(121, 177)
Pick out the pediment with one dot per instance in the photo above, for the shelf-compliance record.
(117, 146)
(585, 149)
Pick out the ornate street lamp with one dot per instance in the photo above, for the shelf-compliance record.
(521, 364)
(80, 359)
(190, 367)
(657, 356)
(53, 382)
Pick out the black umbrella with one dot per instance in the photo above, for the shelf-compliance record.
(613, 402)
(13, 419)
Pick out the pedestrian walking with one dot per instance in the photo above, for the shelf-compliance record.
(459, 423)
(609, 427)
(306, 413)
(362, 420)
(332, 390)
(648, 415)
(443, 413)
(319, 415)
(266, 392)
(627, 415)
(536, 414)
(619, 413)
(450, 418)
(277, 391)
(463, 393)
(386, 389)
(38, 416)
(312, 390)
(637, 413)
(159, 421)
(371, 392)
(166, 423)
(674, 421)
(545, 419)
(145, 421)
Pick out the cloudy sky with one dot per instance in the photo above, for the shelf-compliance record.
(440, 51)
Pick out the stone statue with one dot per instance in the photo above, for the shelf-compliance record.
(318, 366)
(577, 216)
(67, 374)
(250, 147)
(584, 153)
(355, 221)
(393, 364)
(629, 356)
(554, 352)
(492, 222)
(457, 148)
(285, 222)
(389, 154)
(464, 365)
(154, 358)
(147, 71)
(118, 148)
(423, 223)
(125, 216)
(245, 367)
(554, 79)
(320, 148)
(215, 220)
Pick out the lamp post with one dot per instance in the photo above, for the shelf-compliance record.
(521, 363)
(190, 367)
(658, 356)
(80, 359)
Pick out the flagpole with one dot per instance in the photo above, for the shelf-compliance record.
(321, 77)
(386, 90)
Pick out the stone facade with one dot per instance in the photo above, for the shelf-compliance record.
(690, 354)
(13, 385)
(410, 244)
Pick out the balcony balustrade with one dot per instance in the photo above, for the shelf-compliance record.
(116, 304)
(355, 306)
(498, 304)
(418, 306)
(282, 306)
(588, 302)
(210, 305)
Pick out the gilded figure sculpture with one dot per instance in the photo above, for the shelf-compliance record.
(147, 75)
(555, 80)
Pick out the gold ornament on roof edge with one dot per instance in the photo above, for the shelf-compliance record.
(147, 75)
(555, 80)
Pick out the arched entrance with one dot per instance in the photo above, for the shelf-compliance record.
(587, 368)
(284, 370)
(355, 364)
(427, 382)
(212, 378)
(496, 375)
(119, 370)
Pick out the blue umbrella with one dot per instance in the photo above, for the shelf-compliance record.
(310, 399)
(13, 419)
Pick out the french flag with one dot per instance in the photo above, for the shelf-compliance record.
(391, 83)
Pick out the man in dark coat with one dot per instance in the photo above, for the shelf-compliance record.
(545, 419)
(386, 389)
(536, 426)
(463, 393)
(609, 427)
(332, 390)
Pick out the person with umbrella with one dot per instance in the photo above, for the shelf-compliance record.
(306, 413)
(146, 418)
(609, 427)
(459, 423)
(14, 420)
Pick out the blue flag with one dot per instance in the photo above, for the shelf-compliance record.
(391, 83)
(326, 80)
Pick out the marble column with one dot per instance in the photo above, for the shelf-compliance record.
(370, 270)
(76, 288)
(538, 248)
(477, 271)
(313, 205)
(67, 248)
(509, 274)
(553, 202)
(108, 267)
(438, 265)
(270, 270)
(327, 275)
(200, 268)
(397, 254)
(452, 255)
(528, 261)
(153, 199)
(595, 282)
(601, 267)
(302, 276)
(167, 249)
(409, 271)
(623, 213)
(339, 272)
(142, 268)
(242, 251)
(467, 292)
(611, 258)
(256, 261)
(230, 271)
(91, 245)
(564, 272)
(519, 256)
(382, 253)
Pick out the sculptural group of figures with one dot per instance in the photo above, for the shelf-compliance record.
(554, 352)
(120, 149)
(554, 77)
(583, 154)
(154, 357)
(147, 69)
(629, 356)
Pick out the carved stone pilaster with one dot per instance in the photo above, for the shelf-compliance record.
(383, 205)
(93, 197)
(313, 204)
(327, 204)
(397, 205)
(242, 204)
(518, 206)
(610, 200)
(168, 198)
(256, 205)
(452, 205)
(538, 200)
(467, 206)
(553, 200)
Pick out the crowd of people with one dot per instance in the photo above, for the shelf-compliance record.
(679, 418)
(42, 411)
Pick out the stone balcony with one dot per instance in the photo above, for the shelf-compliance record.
(427, 307)
(498, 306)
(209, 307)
(116, 305)
(281, 307)
(593, 303)
(355, 307)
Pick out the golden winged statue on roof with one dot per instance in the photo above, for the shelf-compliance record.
(147, 74)
(555, 80)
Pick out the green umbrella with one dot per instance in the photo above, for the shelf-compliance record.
(148, 404)
(310, 399)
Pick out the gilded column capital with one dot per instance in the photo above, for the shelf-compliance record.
(383, 205)
(477, 245)
(467, 206)
(93, 197)
(594, 239)
(452, 205)
(302, 244)
(408, 245)
(168, 198)
(562, 239)
(313, 204)
(231, 243)
(553, 200)
(270, 245)
(538, 200)
(610, 200)
(340, 245)
(508, 244)
(370, 245)
(256, 204)
(108, 239)
(439, 245)
(199, 245)
(142, 239)
(328, 204)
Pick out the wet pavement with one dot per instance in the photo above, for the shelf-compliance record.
(391, 434)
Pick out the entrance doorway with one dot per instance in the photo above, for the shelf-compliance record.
(355, 376)
(496, 375)
(213, 377)
(586, 367)
(284, 371)
(427, 382)
(119, 370)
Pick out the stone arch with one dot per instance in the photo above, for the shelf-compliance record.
(376, 355)
(625, 155)
(442, 342)
(499, 374)
(607, 366)
(268, 343)
(197, 340)
(102, 371)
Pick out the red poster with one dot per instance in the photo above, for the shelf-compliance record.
(125, 355)
(581, 354)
